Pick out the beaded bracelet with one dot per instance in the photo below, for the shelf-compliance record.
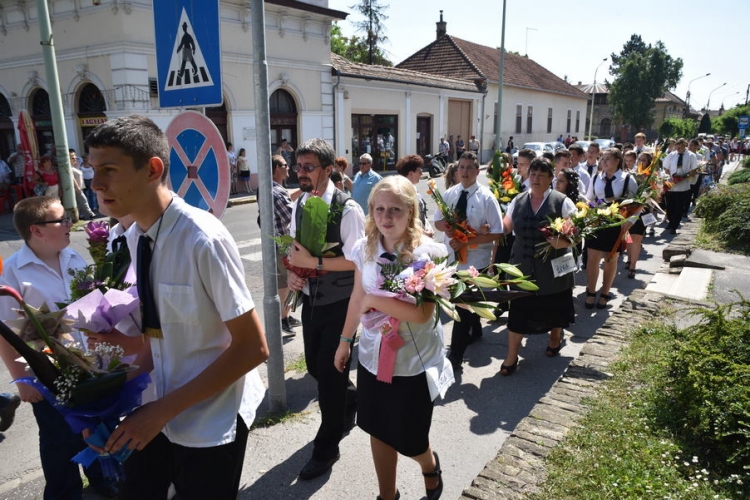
(346, 339)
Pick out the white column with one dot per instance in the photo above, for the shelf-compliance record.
(408, 147)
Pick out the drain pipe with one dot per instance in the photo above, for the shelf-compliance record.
(335, 110)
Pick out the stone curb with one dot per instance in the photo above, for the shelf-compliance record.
(519, 467)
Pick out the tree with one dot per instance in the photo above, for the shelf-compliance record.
(374, 29)
(729, 122)
(674, 127)
(355, 49)
(705, 125)
(642, 74)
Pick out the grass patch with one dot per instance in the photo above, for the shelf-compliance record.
(275, 418)
(620, 451)
(298, 365)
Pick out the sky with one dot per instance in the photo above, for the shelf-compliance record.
(574, 40)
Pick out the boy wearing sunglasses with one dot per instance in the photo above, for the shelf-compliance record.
(39, 271)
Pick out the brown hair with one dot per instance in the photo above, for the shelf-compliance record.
(408, 164)
(30, 211)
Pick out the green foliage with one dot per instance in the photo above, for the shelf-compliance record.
(706, 390)
(739, 176)
(674, 127)
(355, 49)
(726, 213)
(374, 30)
(705, 125)
(642, 74)
(622, 450)
(728, 123)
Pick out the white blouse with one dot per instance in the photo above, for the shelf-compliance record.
(424, 349)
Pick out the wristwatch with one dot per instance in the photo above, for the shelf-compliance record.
(320, 264)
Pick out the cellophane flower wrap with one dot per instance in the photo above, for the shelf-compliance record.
(650, 187)
(90, 390)
(428, 279)
(584, 222)
(311, 234)
(504, 183)
(463, 232)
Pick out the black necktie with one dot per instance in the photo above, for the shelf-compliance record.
(121, 259)
(591, 169)
(151, 325)
(609, 193)
(389, 256)
(679, 159)
(461, 205)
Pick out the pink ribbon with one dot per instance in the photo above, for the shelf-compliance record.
(389, 344)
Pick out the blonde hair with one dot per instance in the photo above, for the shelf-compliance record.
(407, 195)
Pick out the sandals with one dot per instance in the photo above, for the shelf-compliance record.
(397, 497)
(508, 370)
(551, 352)
(631, 274)
(589, 305)
(435, 493)
(605, 297)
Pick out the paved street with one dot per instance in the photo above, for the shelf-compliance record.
(469, 425)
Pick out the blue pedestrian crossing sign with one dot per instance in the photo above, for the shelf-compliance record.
(188, 52)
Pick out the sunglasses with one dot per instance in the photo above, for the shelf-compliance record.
(305, 168)
(63, 220)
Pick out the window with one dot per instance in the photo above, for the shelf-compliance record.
(153, 87)
(549, 120)
(600, 99)
(519, 118)
(605, 127)
(494, 121)
(529, 119)
(567, 124)
(578, 121)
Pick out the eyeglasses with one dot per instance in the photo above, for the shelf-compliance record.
(365, 163)
(63, 220)
(306, 168)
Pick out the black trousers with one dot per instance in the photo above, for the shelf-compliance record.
(462, 331)
(197, 473)
(337, 396)
(677, 202)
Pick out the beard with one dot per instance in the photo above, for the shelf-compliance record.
(305, 188)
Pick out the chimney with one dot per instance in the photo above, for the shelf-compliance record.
(440, 31)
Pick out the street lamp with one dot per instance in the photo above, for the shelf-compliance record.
(728, 95)
(709, 95)
(593, 93)
(527, 39)
(687, 96)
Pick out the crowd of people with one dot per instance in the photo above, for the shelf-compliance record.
(203, 338)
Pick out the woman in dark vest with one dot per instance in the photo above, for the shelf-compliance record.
(551, 308)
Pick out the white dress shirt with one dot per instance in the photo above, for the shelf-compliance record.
(599, 182)
(689, 163)
(198, 282)
(352, 223)
(584, 179)
(38, 283)
(568, 208)
(481, 208)
(424, 346)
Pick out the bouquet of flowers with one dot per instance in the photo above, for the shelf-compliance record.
(91, 391)
(650, 187)
(462, 230)
(504, 182)
(585, 222)
(311, 234)
(433, 280)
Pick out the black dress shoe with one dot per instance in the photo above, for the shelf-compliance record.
(314, 468)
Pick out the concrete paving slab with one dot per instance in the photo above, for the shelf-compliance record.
(662, 283)
(707, 259)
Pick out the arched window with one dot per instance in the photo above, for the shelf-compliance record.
(218, 115)
(91, 109)
(605, 129)
(283, 111)
(42, 116)
(7, 135)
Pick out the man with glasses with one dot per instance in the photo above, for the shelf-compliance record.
(325, 300)
(39, 271)
(364, 181)
(477, 205)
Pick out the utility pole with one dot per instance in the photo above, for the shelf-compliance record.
(56, 109)
(499, 117)
(271, 303)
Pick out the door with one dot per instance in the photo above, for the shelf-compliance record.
(424, 135)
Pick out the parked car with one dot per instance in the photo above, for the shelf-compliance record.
(556, 146)
(537, 147)
(605, 143)
(583, 144)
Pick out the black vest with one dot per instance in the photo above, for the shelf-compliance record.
(526, 225)
(333, 286)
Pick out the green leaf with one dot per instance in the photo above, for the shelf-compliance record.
(510, 269)
(312, 231)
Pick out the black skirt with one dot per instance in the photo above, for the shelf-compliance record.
(399, 414)
(638, 228)
(604, 240)
(541, 313)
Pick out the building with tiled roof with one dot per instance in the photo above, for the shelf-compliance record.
(391, 112)
(537, 104)
(606, 125)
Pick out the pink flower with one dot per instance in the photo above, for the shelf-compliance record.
(473, 271)
(97, 231)
(414, 284)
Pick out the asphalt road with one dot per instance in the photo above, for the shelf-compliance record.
(469, 425)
